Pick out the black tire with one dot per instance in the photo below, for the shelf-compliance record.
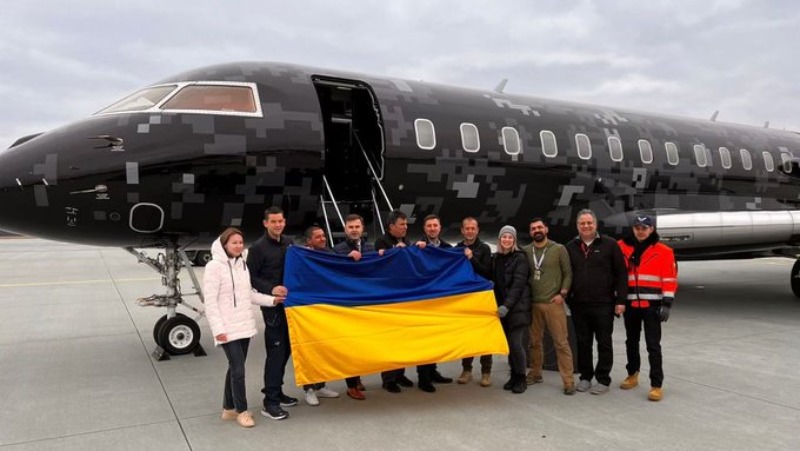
(158, 325)
(179, 335)
(202, 258)
(795, 278)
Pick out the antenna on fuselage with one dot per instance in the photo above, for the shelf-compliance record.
(766, 124)
(714, 116)
(501, 86)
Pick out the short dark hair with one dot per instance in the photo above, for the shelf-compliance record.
(538, 220)
(469, 218)
(310, 231)
(394, 216)
(431, 217)
(273, 211)
(353, 217)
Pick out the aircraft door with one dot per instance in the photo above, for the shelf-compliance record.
(354, 143)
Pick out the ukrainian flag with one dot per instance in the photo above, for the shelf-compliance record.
(408, 307)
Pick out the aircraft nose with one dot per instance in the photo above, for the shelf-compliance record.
(23, 193)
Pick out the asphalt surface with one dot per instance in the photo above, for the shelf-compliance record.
(76, 374)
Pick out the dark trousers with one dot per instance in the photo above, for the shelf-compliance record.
(314, 386)
(594, 323)
(391, 375)
(486, 363)
(235, 396)
(634, 318)
(352, 382)
(517, 355)
(425, 373)
(276, 337)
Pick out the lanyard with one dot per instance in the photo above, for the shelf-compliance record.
(586, 249)
(538, 263)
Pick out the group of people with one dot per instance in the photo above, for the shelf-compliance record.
(596, 276)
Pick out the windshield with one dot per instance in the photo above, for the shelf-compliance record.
(140, 100)
(213, 98)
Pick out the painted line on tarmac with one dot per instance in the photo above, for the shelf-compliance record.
(76, 282)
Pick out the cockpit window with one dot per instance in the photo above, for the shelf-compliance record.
(195, 97)
(213, 98)
(141, 100)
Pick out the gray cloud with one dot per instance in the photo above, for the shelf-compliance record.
(65, 60)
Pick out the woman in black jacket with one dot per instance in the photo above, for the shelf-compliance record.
(510, 270)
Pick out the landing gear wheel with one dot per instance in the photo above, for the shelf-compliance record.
(202, 258)
(158, 325)
(795, 280)
(179, 335)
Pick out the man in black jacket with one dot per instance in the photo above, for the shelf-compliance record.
(480, 256)
(354, 246)
(395, 236)
(432, 228)
(265, 263)
(599, 290)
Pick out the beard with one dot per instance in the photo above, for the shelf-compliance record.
(539, 237)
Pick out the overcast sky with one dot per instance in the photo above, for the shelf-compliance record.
(62, 60)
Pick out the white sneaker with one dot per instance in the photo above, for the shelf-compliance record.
(311, 397)
(326, 392)
(599, 389)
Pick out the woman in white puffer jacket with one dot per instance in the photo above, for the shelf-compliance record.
(229, 298)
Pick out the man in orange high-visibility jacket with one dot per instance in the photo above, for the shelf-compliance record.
(652, 282)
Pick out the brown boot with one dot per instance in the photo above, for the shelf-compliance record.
(245, 419)
(486, 379)
(656, 394)
(465, 378)
(531, 378)
(229, 414)
(630, 381)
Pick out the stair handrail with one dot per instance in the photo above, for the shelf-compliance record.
(333, 201)
(372, 170)
(377, 211)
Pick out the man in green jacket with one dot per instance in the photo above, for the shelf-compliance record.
(550, 281)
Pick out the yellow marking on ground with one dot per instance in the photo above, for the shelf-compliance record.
(75, 282)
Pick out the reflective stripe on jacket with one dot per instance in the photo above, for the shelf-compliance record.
(654, 279)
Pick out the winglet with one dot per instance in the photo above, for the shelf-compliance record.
(501, 86)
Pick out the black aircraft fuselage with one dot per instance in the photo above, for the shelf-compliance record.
(180, 160)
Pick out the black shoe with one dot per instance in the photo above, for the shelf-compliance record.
(274, 412)
(439, 379)
(510, 384)
(426, 387)
(519, 385)
(391, 387)
(404, 381)
(288, 401)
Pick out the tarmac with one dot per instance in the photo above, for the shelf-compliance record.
(76, 374)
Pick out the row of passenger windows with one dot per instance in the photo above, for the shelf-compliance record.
(470, 142)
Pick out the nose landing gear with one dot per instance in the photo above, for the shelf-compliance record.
(174, 333)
